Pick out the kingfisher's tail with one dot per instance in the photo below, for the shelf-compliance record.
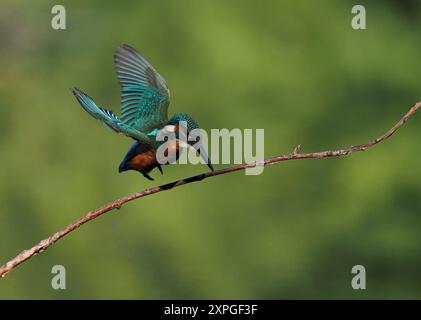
(86, 102)
(108, 117)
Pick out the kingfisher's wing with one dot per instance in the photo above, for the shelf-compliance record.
(144, 93)
(109, 118)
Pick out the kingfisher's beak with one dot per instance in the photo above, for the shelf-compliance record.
(201, 151)
(204, 155)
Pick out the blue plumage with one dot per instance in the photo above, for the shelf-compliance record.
(130, 154)
(144, 110)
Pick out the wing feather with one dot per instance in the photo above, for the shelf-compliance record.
(144, 92)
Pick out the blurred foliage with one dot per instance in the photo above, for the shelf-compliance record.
(296, 69)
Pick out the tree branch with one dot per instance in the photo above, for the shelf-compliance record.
(117, 204)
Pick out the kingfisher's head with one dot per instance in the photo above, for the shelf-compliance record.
(181, 123)
(183, 127)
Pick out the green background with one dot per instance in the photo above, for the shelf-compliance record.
(296, 69)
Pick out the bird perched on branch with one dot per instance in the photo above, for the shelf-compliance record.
(144, 112)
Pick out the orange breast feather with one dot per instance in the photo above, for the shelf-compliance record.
(143, 161)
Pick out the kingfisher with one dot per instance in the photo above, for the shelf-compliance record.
(145, 98)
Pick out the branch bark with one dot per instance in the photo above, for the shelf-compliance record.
(117, 204)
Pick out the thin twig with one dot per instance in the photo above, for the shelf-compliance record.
(117, 204)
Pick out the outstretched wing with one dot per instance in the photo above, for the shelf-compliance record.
(109, 118)
(144, 92)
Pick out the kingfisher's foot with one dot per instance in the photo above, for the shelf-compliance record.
(160, 169)
(147, 176)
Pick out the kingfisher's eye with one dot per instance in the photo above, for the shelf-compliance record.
(197, 139)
